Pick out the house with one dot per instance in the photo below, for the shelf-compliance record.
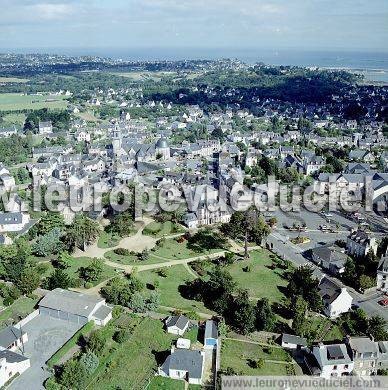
(359, 243)
(313, 164)
(361, 155)
(7, 182)
(75, 307)
(382, 274)
(12, 338)
(177, 324)
(7, 132)
(11, 364)
(336, 300)
(290, 341)
(357, 168)
(211, 335)
(330, 361)
(184, 364)
(183, 343)
(364, 353)
(330, 258)
(13, 222)
(45, 127)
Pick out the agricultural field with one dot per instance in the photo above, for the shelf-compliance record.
(17, 101)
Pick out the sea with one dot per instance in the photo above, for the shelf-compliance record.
(372, 64)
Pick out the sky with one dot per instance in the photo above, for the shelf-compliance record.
(207, 24)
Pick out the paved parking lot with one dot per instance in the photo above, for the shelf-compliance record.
(45, 336)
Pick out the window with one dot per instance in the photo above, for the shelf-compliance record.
(334, 367)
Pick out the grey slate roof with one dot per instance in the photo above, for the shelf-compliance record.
(363, 345)
(102, 312)
(178, 321)
(211, 331)
(328, 290)
(334, 354)
(185, 360)
(9, 335)
(12, 357)
(71, 302)
(292, 339)
(11, 218)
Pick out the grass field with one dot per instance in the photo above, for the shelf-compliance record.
(158, 229)
(169, 288)
(76, 263)
(6, 80)
(160, 383)
(14, 119)
(133, 363)
(173, 250)
(16, 101)
(260, 281)
(18, 310)
(139, 76)
(238, 354)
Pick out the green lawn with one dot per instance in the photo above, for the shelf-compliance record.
(260, 281)
(169, 288)
(237, 355)
(160, 383)
(173, 250)
(14, 119)
(158, 229)
(108, 240)
(18, 310)
(133, 363)
(76, 263)
(318, 326)
(17, 101)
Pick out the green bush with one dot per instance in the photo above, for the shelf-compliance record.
(121, 252)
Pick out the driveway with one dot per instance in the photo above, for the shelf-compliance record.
(45, 336)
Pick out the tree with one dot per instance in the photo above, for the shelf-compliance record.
(377, 328)
(82, 232)
(92, 272)
(14, 259)
(90, 361)
(137, 303)
(265, 317)
(144, 255)
(29, 281)
(366, 282)
(121, 225)
(96, 341)
(299, 316)
(48, 244)
(58, 279)
(50, 221)
(73, 375)
(303, 283)
(206, 239)
(243, 314)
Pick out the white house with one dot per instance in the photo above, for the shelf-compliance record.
(184, 364)
(45, 127)
(11, 364)
(13, 222)
(290, 341)
(7, 182)
(12, 338)
(177, 324)
(336, 300)
(332, 361)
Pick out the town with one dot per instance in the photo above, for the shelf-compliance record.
(178, 296)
